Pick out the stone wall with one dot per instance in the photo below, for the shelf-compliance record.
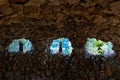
(98, 11)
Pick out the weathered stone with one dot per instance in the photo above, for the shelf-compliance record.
(115, 7)
(3, 2)
(32, 8)
(109, 69)
(73, 1)
(18, 9)
(5, 10)
(55, 2)
(99, 20)
(35, 3)
(18, 1)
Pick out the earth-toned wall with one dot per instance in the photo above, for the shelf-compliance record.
(40, 20)
(96, 11)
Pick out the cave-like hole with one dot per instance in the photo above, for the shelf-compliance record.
(20, 46)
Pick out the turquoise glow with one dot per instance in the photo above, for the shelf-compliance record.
(14, 46)
(65, 45)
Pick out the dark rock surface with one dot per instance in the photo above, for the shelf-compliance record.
(42, 20)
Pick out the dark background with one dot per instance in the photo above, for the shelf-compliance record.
(43, 20)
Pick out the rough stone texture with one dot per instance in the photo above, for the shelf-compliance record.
(42, 20)
(3, 2)
(18, 1)
(115, 7)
